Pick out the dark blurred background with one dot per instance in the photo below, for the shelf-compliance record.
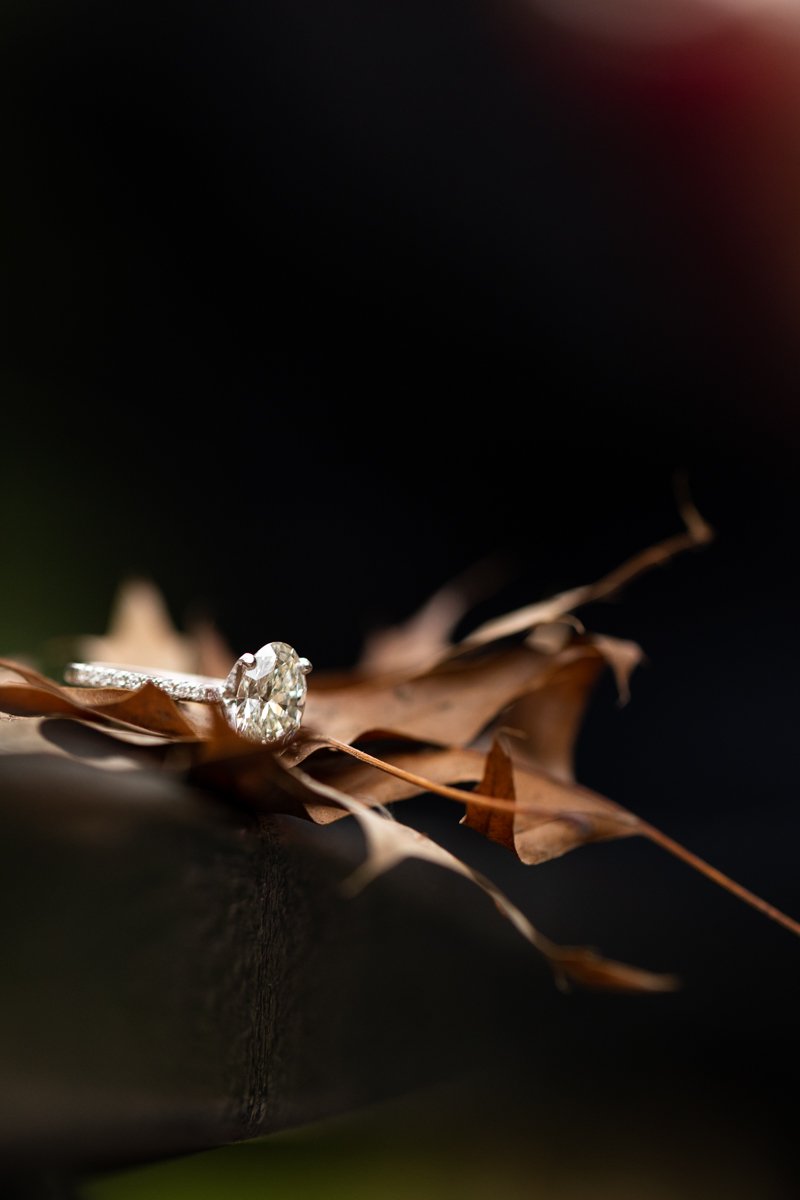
(308, 307)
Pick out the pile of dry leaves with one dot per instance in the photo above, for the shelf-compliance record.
(489, 723)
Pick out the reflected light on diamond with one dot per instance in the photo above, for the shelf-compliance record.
(264, 699)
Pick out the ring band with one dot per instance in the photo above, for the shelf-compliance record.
(200, 688)
(263, 696)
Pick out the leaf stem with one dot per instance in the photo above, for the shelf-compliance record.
(629, 822)
(635, 825)
(719, 877)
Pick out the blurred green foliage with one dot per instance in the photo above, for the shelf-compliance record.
(454, 1144)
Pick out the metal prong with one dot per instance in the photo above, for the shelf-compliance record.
(304, 665)
(240, 666)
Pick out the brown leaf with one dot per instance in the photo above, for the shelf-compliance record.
(450, 705)
(272, 787)
(550, 817)
(546, 722)
(554, 817)
(540, 688)
(211, 654)
(141, 632)
(148, 708)
(622, 656)
(255, 774)
(390, 843)
(244, 770)
(497, 824)
(697, 533)
(576, 964)
(424, 639)
(375, 787)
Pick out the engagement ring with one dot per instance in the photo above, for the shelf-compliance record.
(263, 696)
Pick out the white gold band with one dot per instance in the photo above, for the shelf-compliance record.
(201, 688)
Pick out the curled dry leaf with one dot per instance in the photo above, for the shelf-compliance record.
(697, 532)
(546, 722)
(390, 843)
(451, 704)
(264, 781)
(147, 709)
(141, 633)
(577, 965)
(548, 817)
(424, 639)
(443, 704)
(497, 824)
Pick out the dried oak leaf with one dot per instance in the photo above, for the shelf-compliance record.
(451, 704)
(557, 818)
(546, 722)
(539, 690)
(141, 633)
(390, 843)
(264, 781)
(697, 533)
(422, 639)
(546, 817)
(425, 637)
(497, 824)
(29, 694)
(553, 815)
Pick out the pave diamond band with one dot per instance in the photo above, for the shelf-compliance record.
(263, 696)
(201, 688)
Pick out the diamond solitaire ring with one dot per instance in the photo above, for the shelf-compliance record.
(263, 695)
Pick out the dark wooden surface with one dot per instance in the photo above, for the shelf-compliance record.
(178, 973)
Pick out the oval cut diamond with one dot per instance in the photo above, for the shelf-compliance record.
(264, 694)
